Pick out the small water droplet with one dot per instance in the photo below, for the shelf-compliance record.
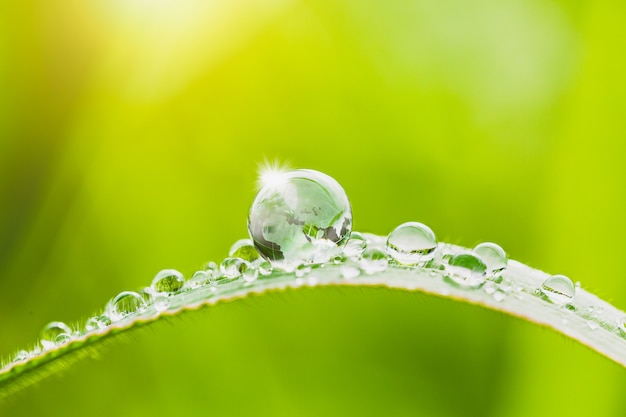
(356, 245)
(244, 249)
(373, 260)
(300, 217)
(466, 270)
(489, 287)
(507, 286)
(200, 279)
(234, 267)
(411, 243)
(493, 256)
(92, 324)
(161, 303)
(559, 289)
(265, 268)
(104, 321)
(302, 270)
(21, 356)
(52, 331)
(168, 281)
(62, 338)
(350, 271)
(592, 324)
(124, 304)
(498, 296)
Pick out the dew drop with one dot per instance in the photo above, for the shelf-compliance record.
(168, 281)
(411, 243)
(592, 324)
(244, 249)
(302, 270)
(559, 289)
(373, 260)
(489, 287)
(493, 256)
(161, 303)
(200, 279)
(466, 270)
(234, 267)
(301, 216)
(350, 271)
(124, 304)
(356, 245)
(265, 268)
(52, 331)
(104, 321)
(21, 356)
(498, 296)
(92, 324)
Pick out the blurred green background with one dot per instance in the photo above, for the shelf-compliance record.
(130, 136)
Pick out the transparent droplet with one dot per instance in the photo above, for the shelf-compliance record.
(302, 270)
(124, 304)
(62, 338)
(373, 260)
(21, 356)
(356, 245)
(147, 294)
(244, 249)
(92, 324)
(466, 270)
(234, 267)
(200, 279)
(411, 243)
(498, 296)
(593, 324)
(161, 303)
(52, 331)
(297, 215)
(559, 289)
(350, 271)
(168, 281)
(265, 268)
(249, 273)
(489, 287)
(104, 321)
(493, 256)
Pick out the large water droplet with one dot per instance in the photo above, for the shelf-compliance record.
(244, 249)
(559, 289)
(124, 304)
(301, 216)
(493, 256)
(356, 245)
(52, 331)
(411, 243)
(466, 270)
(373, 260)
(168, 281)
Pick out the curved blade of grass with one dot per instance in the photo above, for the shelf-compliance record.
(587, 319)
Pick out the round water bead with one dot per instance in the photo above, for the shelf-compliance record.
(494, 257)
(200, 279)
(356, 245)
(411, 243)
(104, 321)
(244, 249)
(373, 260)
(92, 324)
(301, 216)
(21, 356)
(265, 268)
(124, 304)
(51, 333)
(235, 267)
(466, 270)
(559, 289)
(168, 281)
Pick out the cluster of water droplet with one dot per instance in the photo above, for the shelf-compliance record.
(299, 222)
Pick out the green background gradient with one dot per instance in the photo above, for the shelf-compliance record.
(130, 136)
